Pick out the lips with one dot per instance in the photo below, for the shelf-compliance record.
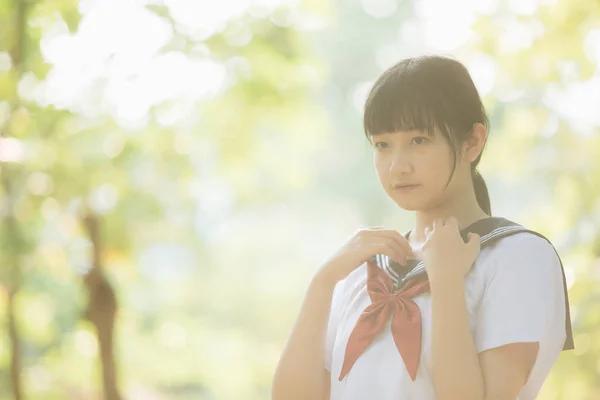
(404, 186)
(404, 189)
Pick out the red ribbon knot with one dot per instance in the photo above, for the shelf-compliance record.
(406, 319)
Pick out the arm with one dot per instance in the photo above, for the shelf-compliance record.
(506, 369)
(456, 370)
(301, 373)
(459, 371)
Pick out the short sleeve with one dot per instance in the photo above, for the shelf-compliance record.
(523, 283)
(333, 322)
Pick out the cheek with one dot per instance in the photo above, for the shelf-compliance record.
(380, 168)
(435, 162)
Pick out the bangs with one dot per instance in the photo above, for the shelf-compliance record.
(400, 101)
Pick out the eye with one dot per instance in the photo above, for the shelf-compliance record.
(376, 144)
(422, 139)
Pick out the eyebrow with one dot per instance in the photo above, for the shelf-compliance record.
(414, 132)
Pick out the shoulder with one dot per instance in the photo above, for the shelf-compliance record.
(522, 247)
(523, 255)
(505, 234)
(522, 294)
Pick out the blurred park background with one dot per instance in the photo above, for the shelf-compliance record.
(172, 173)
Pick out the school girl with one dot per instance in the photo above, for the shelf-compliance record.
(465, 305)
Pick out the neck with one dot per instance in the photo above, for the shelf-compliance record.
(465, 210)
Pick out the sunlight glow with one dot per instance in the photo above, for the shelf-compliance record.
(484, 7)
(519, 35)
(379, 8)
(523, 7)
(12, 150)
(123, 72)
(104, 198)
(359, 95)
(592, 46)
(446, 25)
(482, 68)
(578, 102)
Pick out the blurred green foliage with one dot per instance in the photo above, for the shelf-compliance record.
(217, 208)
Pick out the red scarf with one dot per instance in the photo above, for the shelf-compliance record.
(406, 322)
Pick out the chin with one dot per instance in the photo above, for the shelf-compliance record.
(412, 204)
(405, 208)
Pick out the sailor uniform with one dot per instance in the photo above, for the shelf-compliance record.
(379, 331)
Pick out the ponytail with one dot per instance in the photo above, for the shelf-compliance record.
(481, 192)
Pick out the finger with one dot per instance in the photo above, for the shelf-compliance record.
(404, 243)
(391, 250)
(473, 237)
(397, 237)
(437, 224)
(452, 221)
(366, 228)
(401, 245)
(473, 240)
(387, 241)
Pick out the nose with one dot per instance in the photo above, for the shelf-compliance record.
(400, 164)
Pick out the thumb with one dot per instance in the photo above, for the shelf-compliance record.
(473, 241)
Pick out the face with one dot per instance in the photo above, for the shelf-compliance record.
(423, 161)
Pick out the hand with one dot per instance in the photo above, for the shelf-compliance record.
(445, 254)
(363, 244)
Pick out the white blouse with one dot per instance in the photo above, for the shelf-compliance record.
(514, 293)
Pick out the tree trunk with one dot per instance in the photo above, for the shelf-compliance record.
(101, 311)
(15, 347)
(11, 229)
(13, 244)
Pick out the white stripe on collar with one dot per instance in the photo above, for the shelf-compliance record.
(420, 267)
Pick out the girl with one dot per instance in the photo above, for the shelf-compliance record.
(465, 306)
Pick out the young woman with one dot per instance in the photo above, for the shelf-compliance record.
(464, 306)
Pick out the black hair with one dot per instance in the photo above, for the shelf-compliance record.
(425, 93)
